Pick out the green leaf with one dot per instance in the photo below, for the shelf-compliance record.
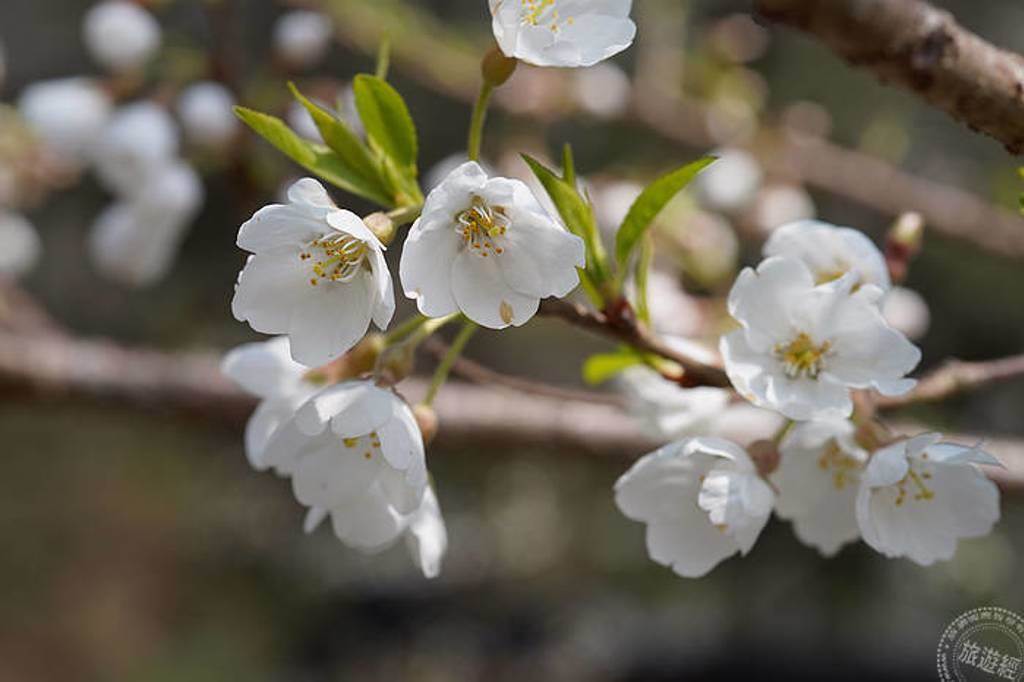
(386, 120)
(315, 158)
(601, 367)
(650, 203)
(578, 216)
(340, 138)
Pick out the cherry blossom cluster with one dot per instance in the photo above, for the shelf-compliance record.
(808, 347)
(142, 132)
(482, 249)
(810, 333)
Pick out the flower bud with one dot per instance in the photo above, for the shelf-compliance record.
(381, 225)
(206, 113)
(426, 419)
(497, 68)
(903, 243)
(302, 37)
(120, 35)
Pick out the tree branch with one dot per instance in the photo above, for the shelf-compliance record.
(924, 50)
(696, 373)
(57, 368)
(956, 377)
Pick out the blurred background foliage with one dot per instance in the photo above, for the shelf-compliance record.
(142, 547)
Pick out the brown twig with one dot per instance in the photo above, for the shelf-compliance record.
(956, 377)
(479, 374)
(61, 369)
(696, 373)
(922, 49)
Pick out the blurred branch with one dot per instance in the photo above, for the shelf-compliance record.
(696, 373)
(924, 50)
(55, 368)
(956, 377)
(440, 59)
(479, 374)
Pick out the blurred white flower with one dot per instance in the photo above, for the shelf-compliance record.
(440, 171)
(702, 500)
(120, 35)
(830, 252)
(817, 482)
(67, 114)
(612, 202)
(484, 246)
(302, 37)
(778, 204)
(135, 241)
(907, 311)
(673, 311)
(603, 90)
(266, 370)
(354, 452)
(317, 274)
(562, 33)
(667, 410)
(730, 183)
(802, 347)
(140, 137)
(20, 246)
(206, 110)
(918, 497)
(301, 121)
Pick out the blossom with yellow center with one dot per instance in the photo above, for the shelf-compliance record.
(918, 497)
(802, 346)
(817, 482)
(317, 274)
(562, 33)
(485, 247)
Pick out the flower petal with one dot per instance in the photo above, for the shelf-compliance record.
(483, 295)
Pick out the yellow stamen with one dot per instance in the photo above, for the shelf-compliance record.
(481, 225)
(801, 357)
(337, 259)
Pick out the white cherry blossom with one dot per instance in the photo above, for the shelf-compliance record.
(140, 137)
(120, 35)
(317, 273)
(266, 370)
(830, 252)
(302, 37)
(562, 33)
(802, 347)
(135, 241)
(484, 246)
(702, 501)
(354, 452)
(68, 114)
(918, 497)
(817, 481)
(206, 110)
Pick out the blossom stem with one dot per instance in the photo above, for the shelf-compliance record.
(441, 375)
(405, 214)
(783, 432)
(476, 124)
(383, 58)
